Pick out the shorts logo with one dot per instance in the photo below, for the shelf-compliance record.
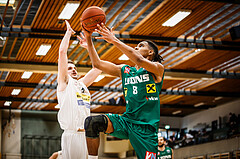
(150, 155)
(127, 70)
(151, 88)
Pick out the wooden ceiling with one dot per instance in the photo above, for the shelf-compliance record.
(202, 61)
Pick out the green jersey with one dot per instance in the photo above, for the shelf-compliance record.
(166, 154)
(141, 95)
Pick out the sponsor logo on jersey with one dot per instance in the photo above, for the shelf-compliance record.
(151, 88)
(165, 157)
(168, 151)
(152, 98)
(80, 102)
(127, 70)
(83, 99)
(137, 79)
(150, 155)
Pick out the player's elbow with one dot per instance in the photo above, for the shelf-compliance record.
(97, 64)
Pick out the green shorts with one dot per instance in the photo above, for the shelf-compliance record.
(142, 137)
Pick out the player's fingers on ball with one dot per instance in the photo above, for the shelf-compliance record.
(97, 30)
(105, 28)
(82, 36)
(79, 38)
(98, 37)
(99, 27)
(102, 24)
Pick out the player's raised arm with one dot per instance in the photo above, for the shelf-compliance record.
(132, 53)
(105, 66)
(62, 58)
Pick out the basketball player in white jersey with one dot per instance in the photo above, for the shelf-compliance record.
(74, 101)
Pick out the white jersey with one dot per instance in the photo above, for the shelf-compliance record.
(74, 104)
(59, 155)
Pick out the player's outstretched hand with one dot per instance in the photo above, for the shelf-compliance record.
(107, 34)
(69, 28)
(82, 41)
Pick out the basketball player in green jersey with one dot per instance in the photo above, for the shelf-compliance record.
(164, 152)
(141, 87)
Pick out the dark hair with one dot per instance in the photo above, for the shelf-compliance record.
(163, 138)
(153, 46)
(70, 61)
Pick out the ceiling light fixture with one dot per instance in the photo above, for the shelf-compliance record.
(123, 57)
(198, 104)
(57, 106)
(176, 112)
(26, 75)
(218, 98)
(206, 79)
(16, 92)
(197, 50)
(69, 9)
(99, 78)
(5, 1)
(179, 16)
(7, 103)
(43, 49)
(167, 127)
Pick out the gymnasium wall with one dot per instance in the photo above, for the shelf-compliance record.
(174, 122)
(11, 145)
(27, 139)
(41, 130)
(207, 116)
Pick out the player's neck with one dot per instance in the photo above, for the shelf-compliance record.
(161, 148)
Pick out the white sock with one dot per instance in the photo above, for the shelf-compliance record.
(92, 157)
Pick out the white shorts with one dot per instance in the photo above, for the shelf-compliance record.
(74, 145)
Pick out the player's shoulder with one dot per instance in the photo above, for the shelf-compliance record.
(159, 65)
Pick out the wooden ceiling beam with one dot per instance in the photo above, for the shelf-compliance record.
(178, 106)
(37, 68)
(222, 1)
(13, 45)
(172, 74)
(138, 15)
(15, 13)
(119, 89)
(4, 14)
(118, 12)
(26, 13)
(181, 41)
(111, 7)
(128, 14)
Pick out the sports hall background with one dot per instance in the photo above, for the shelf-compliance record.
(201, 88)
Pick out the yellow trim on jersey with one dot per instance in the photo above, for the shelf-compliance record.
(125, 91)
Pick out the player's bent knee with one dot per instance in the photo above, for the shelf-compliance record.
(95, 124)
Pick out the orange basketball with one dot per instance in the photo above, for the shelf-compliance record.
(91, 17)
